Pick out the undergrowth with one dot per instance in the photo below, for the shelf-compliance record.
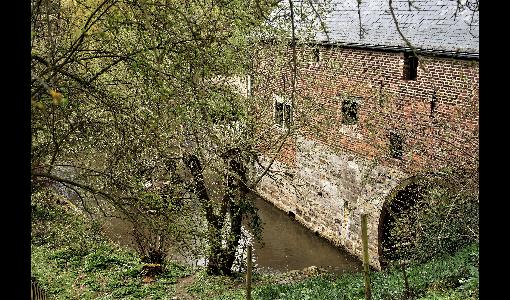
(71, 259)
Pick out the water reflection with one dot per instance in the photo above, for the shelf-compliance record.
(286, 245)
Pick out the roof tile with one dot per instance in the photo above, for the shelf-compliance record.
(429, 25)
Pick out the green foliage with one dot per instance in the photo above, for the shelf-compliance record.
(121, 87)
(54, 224)
(85, 265)
(207, 286)
(446, 277)
(78, 262)
(420, 231)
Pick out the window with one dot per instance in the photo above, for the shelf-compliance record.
(350, 110)
(396, 145)
(410, 66)
(287, 113)
(282, 112)
(316, 55)
(278, 112)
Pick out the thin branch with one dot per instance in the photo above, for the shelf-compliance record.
(59, 70)
(80, 197)
(88, 24)
(362, 30)
(398, 29)
(322, 23)
(90, 189)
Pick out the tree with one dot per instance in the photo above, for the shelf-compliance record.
(127, 94)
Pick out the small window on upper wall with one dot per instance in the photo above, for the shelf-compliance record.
(396, 145)
(316, 55)
(350, 110)
(282, 112)
(410, 66)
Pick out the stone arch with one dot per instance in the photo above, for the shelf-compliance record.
(400, 198)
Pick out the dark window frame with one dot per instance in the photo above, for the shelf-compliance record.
(316, 55)
(396, 145)
(350, 110)
(283, 113)
(287, 115)
(410, 66)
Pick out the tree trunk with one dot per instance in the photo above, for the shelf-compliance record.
(221, 258)
(214, 255)
(236, 184)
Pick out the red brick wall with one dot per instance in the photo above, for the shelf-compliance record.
(389, 103)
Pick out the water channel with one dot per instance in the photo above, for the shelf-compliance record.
(285, 245)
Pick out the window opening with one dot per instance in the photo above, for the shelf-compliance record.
(350, 111)
(288, 115)
(283, 113)
(316, 55)
(410, 66)
(396, 145)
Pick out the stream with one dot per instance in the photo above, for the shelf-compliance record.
(286, 245)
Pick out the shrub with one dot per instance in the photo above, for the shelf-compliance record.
(443, 218)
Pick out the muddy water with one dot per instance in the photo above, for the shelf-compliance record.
(286, 245)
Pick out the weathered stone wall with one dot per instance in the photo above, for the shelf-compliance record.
(327, 172)
(328, 191)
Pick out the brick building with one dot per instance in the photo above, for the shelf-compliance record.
(368, 113)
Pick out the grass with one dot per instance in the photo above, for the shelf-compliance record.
(448, 277)
(71, 259)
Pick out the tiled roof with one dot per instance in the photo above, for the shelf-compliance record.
(428, 25)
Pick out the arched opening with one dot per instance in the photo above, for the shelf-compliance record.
(403, 197)
(429, 199)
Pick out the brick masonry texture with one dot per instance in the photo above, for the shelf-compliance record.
(328, 173)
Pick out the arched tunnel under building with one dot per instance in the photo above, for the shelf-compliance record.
(399, 202)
